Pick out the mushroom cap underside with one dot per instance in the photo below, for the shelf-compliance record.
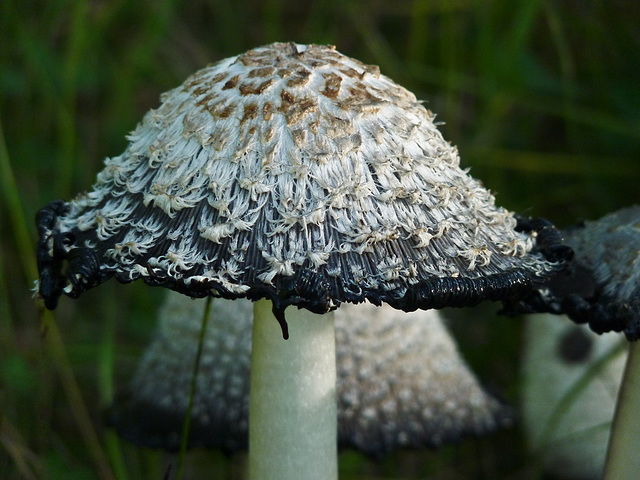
(298, 174)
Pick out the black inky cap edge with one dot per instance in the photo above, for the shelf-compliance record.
(307, 289)
(574, 292)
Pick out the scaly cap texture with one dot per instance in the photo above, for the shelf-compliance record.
(298, 174)
(602, 286)
(401, 382)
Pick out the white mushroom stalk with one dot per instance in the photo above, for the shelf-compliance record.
(623, 454)
(295, 174)
(293, 383)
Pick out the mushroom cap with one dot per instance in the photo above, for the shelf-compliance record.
(609, 249)
(293, 173)
(401, 382)
(601, 287)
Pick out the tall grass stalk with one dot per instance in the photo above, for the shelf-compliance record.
(106, 364)
(192, 392)
(52, 334)
(21, 232)
(28, 463)
(57, 350)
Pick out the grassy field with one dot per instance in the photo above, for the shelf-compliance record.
(542, 98)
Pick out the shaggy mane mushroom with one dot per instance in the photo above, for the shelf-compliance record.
(293, 175)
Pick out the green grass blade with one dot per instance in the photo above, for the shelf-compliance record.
(192, 392)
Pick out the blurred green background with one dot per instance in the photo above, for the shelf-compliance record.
(542, 97)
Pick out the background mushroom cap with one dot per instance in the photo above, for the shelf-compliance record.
(601, 287)
(609, 249)
(298, 174)
(401, 381)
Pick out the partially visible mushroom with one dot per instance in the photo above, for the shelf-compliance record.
(609, 251)
(602, 288)
(570, 381)
(401, 381)
(293, 175)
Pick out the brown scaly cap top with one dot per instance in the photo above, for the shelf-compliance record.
(294, 173)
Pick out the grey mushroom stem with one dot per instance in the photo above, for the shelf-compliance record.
(292, 406)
